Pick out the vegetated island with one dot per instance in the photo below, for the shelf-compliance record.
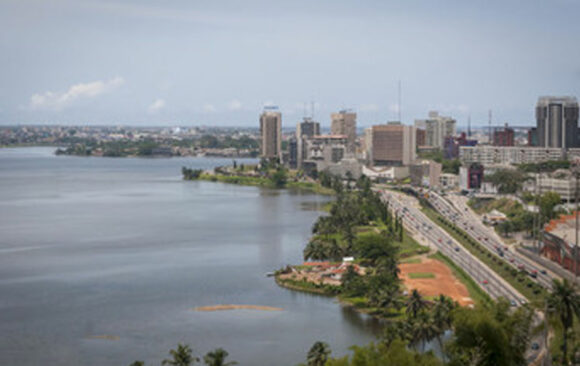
(268, 174)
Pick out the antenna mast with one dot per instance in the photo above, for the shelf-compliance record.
(399, 105)
(469, 125)
(489, 122)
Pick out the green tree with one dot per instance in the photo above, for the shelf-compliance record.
(442, 319)
(279, 178)
(396, 354)
(565, 302)
(217, 358)
(137, 363)
(415, 304)
(507, 180)
(318, 354)
(494, 335)
(182, 356)
(548, 201)
(315, 250)
(375, 248)
(424, 330)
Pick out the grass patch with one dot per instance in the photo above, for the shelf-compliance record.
(265, 182)
(476, 293)
(421, 275)
(409, 247)
(410, 260)
(530, 290)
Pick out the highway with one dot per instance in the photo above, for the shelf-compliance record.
(417, 222)
(458, 213)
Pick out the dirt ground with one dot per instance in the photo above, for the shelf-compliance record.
(443, 283)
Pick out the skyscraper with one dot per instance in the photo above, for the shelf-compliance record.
(392, 144)
(305, 130)
(437, 128)
(557, 122)
(344, 123)
(271, 133)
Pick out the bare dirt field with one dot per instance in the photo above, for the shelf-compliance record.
(443, 283)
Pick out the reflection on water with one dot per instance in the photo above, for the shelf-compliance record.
(360, 320)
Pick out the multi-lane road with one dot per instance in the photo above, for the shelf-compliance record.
(458, 213)
(417, 222)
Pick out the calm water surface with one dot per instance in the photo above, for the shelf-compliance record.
(124, 248)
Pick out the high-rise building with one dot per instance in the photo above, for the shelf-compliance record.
(271, 133)
(391, 144)
(305, 130)
(437, 128)
(421, 136)
(503, 136)
(557, 122)
(344, 123)
(533, 136)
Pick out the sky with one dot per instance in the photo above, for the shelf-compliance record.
(217, 63)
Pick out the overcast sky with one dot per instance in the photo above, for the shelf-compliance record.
(185, 62)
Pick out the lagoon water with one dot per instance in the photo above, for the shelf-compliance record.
(123, 248)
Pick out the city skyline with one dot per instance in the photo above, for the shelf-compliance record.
(136, 63)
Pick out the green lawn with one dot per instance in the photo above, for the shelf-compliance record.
(420, 275)
(410, 260)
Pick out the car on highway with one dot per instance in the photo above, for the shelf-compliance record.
(543, 271)
(534, 273)
(535, 346)
(512, 260)
(484, 282)
(513, 303)
(456, 249)
(449, 241)
(439, 240)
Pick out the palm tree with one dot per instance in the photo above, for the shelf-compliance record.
(565, 302)
(442, 315)
(182, 356)
(315, 250)
(424, 330)
(415, 304)
(217, 358)
(334, 250)
(318, 354)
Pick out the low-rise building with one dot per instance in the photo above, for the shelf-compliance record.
(385, 174)
(558, 242)
(448, 181)
(561, 182)
(489, 155)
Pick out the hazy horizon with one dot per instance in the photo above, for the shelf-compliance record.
(145, 63)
